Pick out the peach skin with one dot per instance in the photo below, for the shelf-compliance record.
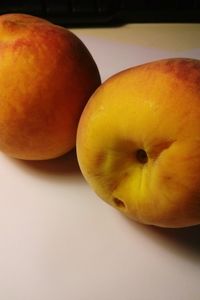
(46, 77)
(138, 142)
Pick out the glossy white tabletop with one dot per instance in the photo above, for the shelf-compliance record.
(58, 241)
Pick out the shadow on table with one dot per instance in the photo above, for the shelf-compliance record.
(66, 165)
(180, 241)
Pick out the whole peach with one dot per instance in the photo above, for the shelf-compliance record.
(46, 77)
(138, 142)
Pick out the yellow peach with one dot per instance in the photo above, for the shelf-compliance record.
(138, 142)
(46, 77)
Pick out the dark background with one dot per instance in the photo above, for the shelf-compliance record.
(89, 13)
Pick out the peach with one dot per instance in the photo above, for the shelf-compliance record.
(46, 77)
(138, 142)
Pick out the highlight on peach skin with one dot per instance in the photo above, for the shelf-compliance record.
(138, 142)
(46, 77)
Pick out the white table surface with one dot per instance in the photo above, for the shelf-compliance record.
(58, 241)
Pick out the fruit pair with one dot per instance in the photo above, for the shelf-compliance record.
(138, 139)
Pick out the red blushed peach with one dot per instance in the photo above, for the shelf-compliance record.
(138, 142)
(46, 77)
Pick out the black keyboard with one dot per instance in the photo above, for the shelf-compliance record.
(88, 13)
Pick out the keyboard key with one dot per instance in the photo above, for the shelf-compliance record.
(82, 7)
(57, 8)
